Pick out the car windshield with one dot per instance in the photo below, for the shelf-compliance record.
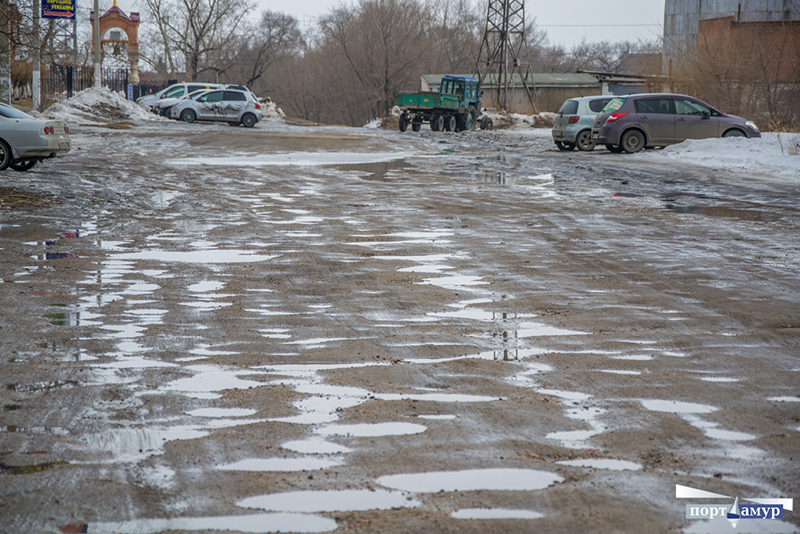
(614, 105)
(12, 113)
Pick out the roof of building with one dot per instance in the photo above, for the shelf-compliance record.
(552, 79)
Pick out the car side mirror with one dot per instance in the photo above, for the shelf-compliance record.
(706, 114)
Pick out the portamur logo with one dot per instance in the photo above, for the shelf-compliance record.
(762, 509)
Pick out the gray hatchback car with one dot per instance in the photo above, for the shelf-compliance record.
(574, 122)
(633, 122)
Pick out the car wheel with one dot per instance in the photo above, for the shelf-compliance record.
(486, 123)
(5, 155)
(166, 112)
(734, 133)
(564, 146)
(584, 141)
(187, 115)
(614, 148)
(632, 141)
(249, 120)
(23, 166)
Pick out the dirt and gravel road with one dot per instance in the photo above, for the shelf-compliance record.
(307, 329)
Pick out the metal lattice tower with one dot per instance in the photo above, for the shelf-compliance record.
(503, 42)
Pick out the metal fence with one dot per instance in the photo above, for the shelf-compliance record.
(62, 81)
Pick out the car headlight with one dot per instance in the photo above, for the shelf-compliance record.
(752, 125)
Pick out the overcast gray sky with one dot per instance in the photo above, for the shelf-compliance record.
(566, 21)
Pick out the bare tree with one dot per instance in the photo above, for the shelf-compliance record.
(196, 28)
(382, 45)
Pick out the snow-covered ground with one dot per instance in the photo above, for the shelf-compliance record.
(775, 154)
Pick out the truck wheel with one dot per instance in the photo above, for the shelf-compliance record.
(437, 123)
(472, 118)
(450, 123)
(403, 122)
(415, 126)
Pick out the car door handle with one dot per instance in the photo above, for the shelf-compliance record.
(643, 117)
(681, 119)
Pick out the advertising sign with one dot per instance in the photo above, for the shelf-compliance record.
(58, 9)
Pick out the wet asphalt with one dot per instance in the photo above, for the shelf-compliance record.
(309, 329)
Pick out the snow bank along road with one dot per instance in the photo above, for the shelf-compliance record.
(314, 329)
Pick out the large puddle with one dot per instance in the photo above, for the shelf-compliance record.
(472, 480)
(256, 523)
(330, 501)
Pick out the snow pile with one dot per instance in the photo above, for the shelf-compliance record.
(270, 109)
(776, 154)
(99, 106)
(516, 121)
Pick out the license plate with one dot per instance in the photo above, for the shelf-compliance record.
(63, 145)
(557, 133)
(595, 135)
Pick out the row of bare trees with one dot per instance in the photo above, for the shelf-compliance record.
(348, 66)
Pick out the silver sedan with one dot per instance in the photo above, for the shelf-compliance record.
(228, 105)
(25, 141)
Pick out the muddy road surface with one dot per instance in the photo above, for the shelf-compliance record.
(308, 329)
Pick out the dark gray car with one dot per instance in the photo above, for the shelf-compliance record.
(632, 122)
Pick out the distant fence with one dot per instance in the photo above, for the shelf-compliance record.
(62, 81)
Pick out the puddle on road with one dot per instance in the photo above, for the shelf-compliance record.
(371, 430)
(381, 171)
(315, 446)
(495, 513)
(472, 480)
(676, 407)
(197, 256)
(222, 412)
(726, 213)
(256, 523)
(136, 444)
(281, 464)
(208, 380)
(603, 463)
(301, 159)
(330, 501)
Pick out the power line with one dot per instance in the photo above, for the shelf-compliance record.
(594, 25)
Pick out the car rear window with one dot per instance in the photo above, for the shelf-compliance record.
(597, 105)
(570, 107)
(614, 105)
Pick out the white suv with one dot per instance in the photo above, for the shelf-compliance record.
(174, 91)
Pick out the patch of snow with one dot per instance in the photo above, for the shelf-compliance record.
(271, 110)
(774, 154)
(99, 106)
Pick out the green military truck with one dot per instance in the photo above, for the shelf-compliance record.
(455, 108)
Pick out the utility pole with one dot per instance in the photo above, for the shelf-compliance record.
(502, 44)
(5, 52)
(36, 82)
(98, 81)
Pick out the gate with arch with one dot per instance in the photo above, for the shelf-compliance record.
(114, 25)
